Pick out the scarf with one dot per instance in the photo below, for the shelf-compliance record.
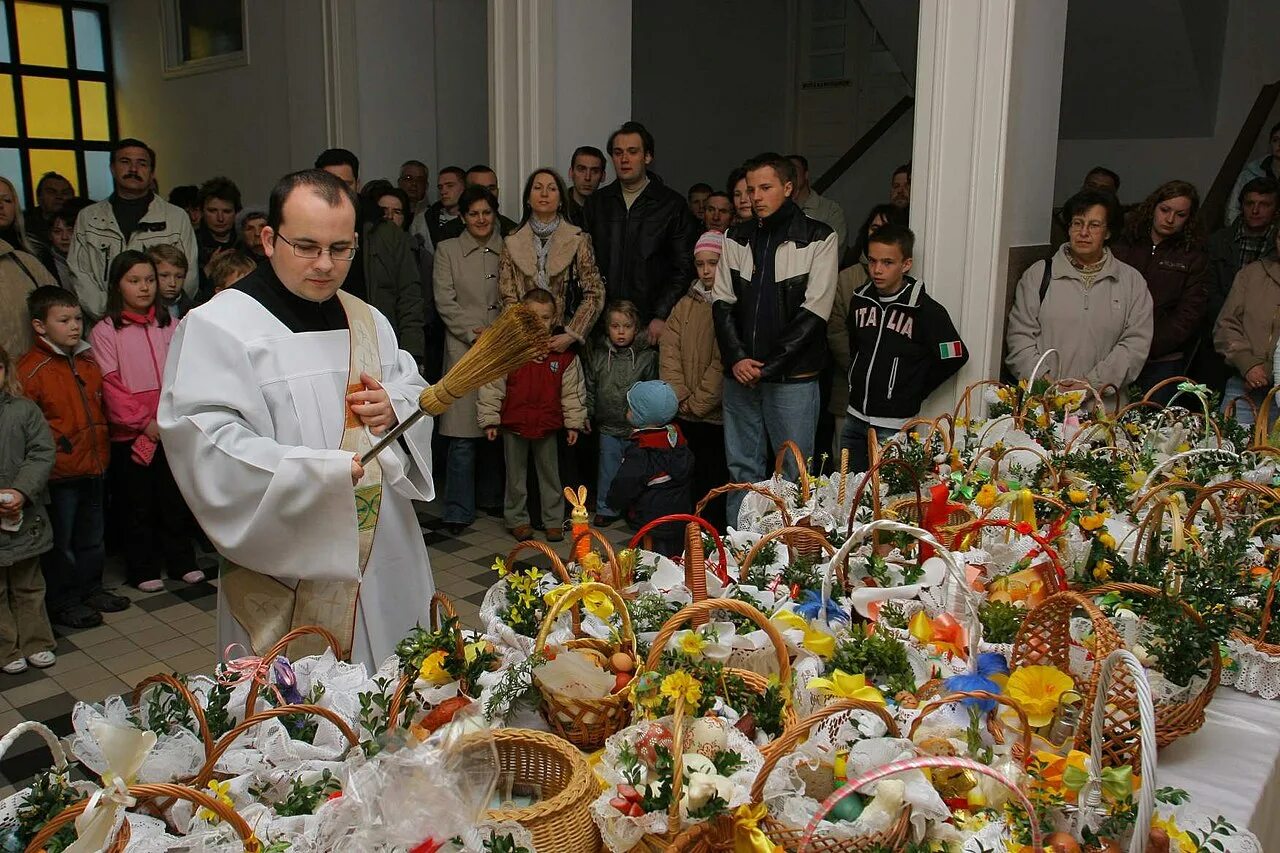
(543, 231)
(1088, 271)
(698, 292)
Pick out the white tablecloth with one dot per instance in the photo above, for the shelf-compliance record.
(1230, 765)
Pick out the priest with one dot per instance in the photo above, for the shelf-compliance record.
(272, 391)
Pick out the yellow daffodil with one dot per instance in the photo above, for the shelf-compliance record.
(598, 604)
(1179, 839)
(221, 792)
(681, 685)
(1106, 540)
(1135, 480)
(500, 566)
(842, 685)
(1037, 690)
(1077, 496)
(691, 643)
(432, 669)
(987, 496)
(1102, 570)
(1092, 521)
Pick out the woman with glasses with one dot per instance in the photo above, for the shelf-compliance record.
(1086, 304)
(1163, 241)
(466, 297)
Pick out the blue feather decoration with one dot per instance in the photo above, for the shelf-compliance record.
(810, 607)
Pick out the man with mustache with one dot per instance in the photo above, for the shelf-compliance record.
(132, 217)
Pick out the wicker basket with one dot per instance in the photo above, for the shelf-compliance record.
(261, 675)
(614, 574)
(695, 580)
(730, 488)
(440, 603)
(586, 723)
(224, 743)
(717, 836)
(1259, 642)
(160, 808)
(225, 813)
(1056, 581)
(1045, 640)
(541, 763)
(1173, 719)
(699, 611)
(1021, 751)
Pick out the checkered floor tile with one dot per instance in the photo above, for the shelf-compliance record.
(176, 631)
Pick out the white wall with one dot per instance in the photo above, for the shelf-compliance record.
(866, 183)
(592, 75)
(419, 84)
(1250, 60)
(710, 81)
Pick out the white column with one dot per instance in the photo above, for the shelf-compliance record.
(988, 85)
(560, 77)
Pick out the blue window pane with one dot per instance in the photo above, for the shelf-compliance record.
(88, 30)
(97, 166)
(11, 168)
(4, 36)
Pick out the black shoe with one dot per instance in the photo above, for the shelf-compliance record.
(455, 527)
(107, 602)
(77, 616)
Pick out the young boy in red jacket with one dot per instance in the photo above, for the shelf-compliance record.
(60, 375)
(529, 407)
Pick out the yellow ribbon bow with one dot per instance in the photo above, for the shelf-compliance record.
(842, 685)
(597, 604)
(748, 837)
(820, 643)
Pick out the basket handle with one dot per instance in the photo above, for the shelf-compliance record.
(224, 742)
(960, 540)
(575, 594)
(796, 734)
(1266, 604)
(703, 609)
(1121, 658)
(610, 555)
(1173, 486)
(1263, 418)
(1227, 486)
(802, 473)
(729, 488)
(225, 813)
(265, 662)
(873, 476)
(46, 734)
(557, 564)
(1021, 750)
(966, 399)
(722, 569)
(919, 764)
(934, 429)
(812, 533)
(202, 725)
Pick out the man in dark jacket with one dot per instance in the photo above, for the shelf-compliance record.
(478, 176)
(384, 272)
(642, 231)
(772, 296)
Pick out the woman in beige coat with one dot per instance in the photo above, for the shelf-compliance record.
(466, 292)
(548, 252)
(20, 273)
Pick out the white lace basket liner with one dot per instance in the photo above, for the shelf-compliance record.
(621, 833)
(1251, 669)
(11, 804)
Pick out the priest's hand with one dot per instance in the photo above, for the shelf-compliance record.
(372, 406)
(357, 470)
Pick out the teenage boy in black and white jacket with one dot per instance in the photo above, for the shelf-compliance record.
(903, 344)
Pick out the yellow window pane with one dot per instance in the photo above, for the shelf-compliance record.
(41, 38)
(62, 162)
(93, 111)
(8, 115)
(48, 105)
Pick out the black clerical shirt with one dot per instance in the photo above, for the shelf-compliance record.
(299, 314)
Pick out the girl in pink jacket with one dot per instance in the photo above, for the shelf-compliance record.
(131, 344)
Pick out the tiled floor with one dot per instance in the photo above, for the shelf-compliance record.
(175, 631)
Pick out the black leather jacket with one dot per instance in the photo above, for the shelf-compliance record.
(775, 285)
(646, 253)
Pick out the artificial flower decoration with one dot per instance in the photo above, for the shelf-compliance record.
(1077, 496)
(681, 685)
(432, 670)
(713, 641)
(1038, 690)
(597, 603)
(1179, 839)
(1092, 521)
(988, 673)
(987, 496)
(943, 632)
(842, 685)
(221, 792)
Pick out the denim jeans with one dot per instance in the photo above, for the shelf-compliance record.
(611, 449)
(463, 477)
(765, 416)
(73, 569)
(1244, 412)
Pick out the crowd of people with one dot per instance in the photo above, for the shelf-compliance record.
(691, 336)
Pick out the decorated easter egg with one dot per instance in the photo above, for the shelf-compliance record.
(849, 808)
(653, 736)
(706, 736)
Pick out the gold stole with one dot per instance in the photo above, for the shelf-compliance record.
(268, 609)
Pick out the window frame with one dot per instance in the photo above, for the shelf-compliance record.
(17, 70)
(171, 45)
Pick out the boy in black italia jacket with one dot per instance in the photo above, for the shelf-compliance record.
(903, 344)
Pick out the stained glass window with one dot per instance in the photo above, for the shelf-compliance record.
(57, 110)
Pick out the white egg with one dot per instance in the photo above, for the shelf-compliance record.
(706, 736)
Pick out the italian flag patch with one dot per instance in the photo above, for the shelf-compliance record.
(951, 349)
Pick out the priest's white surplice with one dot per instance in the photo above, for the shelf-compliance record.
(251, 417)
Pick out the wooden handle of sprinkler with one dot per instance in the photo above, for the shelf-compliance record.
(432, 401)
(390, 438)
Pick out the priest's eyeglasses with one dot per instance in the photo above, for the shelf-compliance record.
(310, 251)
